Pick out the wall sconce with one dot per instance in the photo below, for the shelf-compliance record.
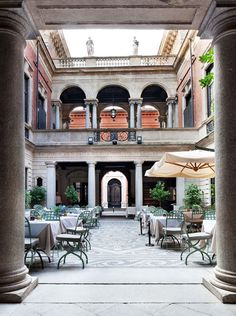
(113, 113)
(139, 140)
(114, 142)
(90, 140)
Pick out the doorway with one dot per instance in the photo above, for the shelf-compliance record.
(114, 193)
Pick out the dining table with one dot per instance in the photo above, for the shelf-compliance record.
(47, 231)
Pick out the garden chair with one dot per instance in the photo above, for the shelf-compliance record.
(173, 228)
(31, 246)
(73, 244)
(51, 216)
(193, 244)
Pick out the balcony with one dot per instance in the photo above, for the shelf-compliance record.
(106, 137)
(129, 61)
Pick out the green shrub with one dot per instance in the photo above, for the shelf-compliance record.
(159, 193)
(38, 195)
(71, 194)
(193, 196)
(28, 199)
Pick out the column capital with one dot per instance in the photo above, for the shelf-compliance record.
(50, 164)
(91, 162)
(91, 101)
(56, 103)
(138, 162)
(135, 101)
(18, 21)
(171, 100)
(219, 20)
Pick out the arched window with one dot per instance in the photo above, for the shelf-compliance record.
(39, 182)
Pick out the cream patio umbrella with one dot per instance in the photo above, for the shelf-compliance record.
(186, 164)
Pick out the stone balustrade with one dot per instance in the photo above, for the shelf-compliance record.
(124, 61)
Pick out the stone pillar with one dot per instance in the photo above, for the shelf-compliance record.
(51, 183)
(138, 185)
(95, 119)
(131, 113)
(180, 187)
(171, 102)
(91, 184)
(15, 283)
(58, 123)
(139, 113)
(221, 24)
(87, 104)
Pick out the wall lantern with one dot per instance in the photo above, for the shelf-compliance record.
(139, 140)
(113, 113)
(90, 140)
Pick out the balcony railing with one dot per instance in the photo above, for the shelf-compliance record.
(125, 61)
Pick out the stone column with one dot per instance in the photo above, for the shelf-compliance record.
(51, 183)
(180, 187)
(58, 123)
(91, 184)
(171, 102)
(221, 24)
(87, 104)
(138, 185)
(15, 283)
(131, 113)
(139, 113)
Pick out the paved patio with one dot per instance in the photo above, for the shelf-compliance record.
(123, 277)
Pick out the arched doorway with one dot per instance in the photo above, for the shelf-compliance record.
(114, 193)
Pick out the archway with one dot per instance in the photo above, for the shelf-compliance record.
(114, 193)
(114, 189)
(113, 97)
(71, 98)
(155, 96)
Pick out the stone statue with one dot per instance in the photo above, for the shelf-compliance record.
(90, 47)
(135, 46)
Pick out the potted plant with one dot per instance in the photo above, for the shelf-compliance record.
(38, 195)
(71, 195)
(159, 193)
(193, 197)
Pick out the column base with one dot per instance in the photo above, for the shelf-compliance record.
(19, 295)
(226, 297)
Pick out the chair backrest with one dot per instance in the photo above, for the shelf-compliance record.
(151, 209)
(160, 212)
(51, 216)
(27, 229)
(210, 214)
(174, 216)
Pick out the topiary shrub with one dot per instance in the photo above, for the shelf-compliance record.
(71, 195)
(38, 195)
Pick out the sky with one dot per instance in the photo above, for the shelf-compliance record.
(113, 42)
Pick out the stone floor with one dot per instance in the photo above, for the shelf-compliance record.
(123, 277)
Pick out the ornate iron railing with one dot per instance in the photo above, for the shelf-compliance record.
(114, 135)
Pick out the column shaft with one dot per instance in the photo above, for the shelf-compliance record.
(13, 273)
(95, 124)
(139, 115)
(131, 113)
(225, 140)
(91, 184)
(51, 184)
(87, 115)
(138, 186)
(58, 117)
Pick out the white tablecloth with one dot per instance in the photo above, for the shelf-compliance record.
(208, 226)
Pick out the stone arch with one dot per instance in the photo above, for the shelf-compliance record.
(71, 97)
(113, 96)
(124, 187)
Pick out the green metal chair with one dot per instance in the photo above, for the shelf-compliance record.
(193, 244)
(73, 244)
(173, 228)
(31, 246)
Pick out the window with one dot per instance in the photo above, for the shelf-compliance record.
(39, 182)
(26, 179)
(26, 98)
(188, 112)
(41, 118)
(210, 96)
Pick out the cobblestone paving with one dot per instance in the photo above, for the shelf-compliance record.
(117, 243)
